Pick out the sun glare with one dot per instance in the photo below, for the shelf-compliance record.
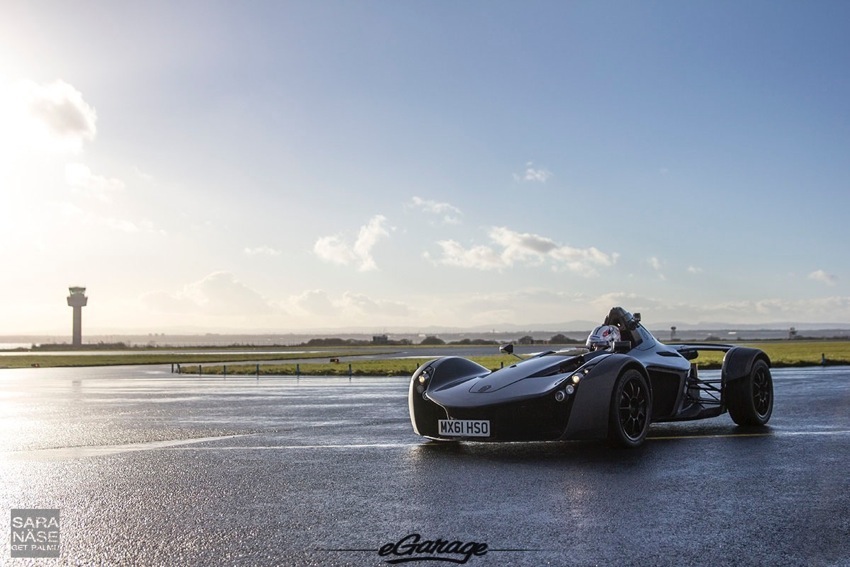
(13, 120)
(34, 131)
(16, 132)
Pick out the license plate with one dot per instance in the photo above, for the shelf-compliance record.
(464, 427)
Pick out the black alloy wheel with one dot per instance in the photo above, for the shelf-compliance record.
(631, 408)
(751, 398)
(762, 391)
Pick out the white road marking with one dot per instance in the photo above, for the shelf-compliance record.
(772, 433)
(63, 453)
(60, 453)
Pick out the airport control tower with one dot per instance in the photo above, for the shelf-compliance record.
(78, 300)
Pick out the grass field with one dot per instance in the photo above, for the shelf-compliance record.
(792, 353)
(106, 358)
(781, 353)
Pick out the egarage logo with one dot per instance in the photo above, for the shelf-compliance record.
(412, 548)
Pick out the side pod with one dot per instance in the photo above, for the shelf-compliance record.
(591, 410)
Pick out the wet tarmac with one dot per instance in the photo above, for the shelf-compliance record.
(150, 468)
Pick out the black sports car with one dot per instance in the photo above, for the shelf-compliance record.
(614, 393)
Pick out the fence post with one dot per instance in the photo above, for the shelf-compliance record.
(225, 372)
(349, 371)
(297, 370)
(199, 371)
(258, 372)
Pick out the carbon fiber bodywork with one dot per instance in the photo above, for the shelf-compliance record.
(570, 395)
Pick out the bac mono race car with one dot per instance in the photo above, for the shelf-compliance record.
(615, 388)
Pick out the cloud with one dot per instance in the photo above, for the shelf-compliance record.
(533, 175)
(557, 306)
(767, 310)
(51, 116)
(510, 248)
(63, 215)
(358, 306)
(824, 309)
(477, 257)
(630, 301)
(313, 303)
(80, 177)
(823, 277)
(317, 307)
(516, 307)
(122, 225)
(144, 226)
(261, 251)
(656, 265)
(449, 213)
(217, 294)
(694, 270)
(337, 250)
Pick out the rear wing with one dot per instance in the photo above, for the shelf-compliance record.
(690, 351)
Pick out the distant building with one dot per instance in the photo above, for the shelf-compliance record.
(380, 340)
(77, 300)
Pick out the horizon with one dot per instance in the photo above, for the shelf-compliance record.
(573, 327)
(306, 165)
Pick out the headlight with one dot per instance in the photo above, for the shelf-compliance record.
(561, 395)
(576, 378)
(424, 376)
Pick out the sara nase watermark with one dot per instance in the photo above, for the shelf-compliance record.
(35, 533)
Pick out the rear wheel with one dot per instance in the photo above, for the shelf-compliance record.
(750, 399)
(631, 408)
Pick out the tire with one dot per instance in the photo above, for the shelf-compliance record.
(631, 410)
(751, 398)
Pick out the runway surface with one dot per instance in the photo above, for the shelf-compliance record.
(150, 468)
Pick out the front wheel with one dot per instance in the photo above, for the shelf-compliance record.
(751, 398)
(631, 408)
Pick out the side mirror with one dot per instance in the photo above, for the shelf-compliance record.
(633, 322)
(509, 349)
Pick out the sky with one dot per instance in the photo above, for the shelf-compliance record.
(282, 166)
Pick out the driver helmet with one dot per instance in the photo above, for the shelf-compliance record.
(603, 337)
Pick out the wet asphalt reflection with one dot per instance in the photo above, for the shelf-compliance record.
(150, 468)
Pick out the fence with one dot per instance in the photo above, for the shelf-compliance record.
(221, 370)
